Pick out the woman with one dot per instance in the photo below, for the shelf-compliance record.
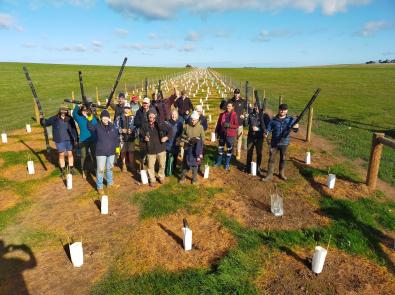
(65, 136)
(172, 149)
(107, 145)
(226, 130)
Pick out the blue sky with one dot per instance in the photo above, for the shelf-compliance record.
(235, 33)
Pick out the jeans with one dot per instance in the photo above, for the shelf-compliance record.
(107, 163)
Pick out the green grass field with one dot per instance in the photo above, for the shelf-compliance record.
(354, 102)
(56, 82)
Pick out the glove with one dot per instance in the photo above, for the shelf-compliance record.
(90, 117)
(226, 125)
(118, 150)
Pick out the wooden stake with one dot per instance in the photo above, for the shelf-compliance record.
(309, 124)
(36, 112)
(97, 95)
(280, 100)
(72, 95)
(374, 162)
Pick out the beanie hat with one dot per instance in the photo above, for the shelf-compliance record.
(104, 113)
(283, 106)
(195, 115)
(121, 95)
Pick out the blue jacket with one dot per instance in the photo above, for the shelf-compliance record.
(85, 134)
(177, 130)
(107, 138)
(62, 130)
(280, 130)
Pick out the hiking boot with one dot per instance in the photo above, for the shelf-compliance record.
(218, 162)
(63, 172)
(161, 180)
(194, 182)
(152, 184)
(269, 175)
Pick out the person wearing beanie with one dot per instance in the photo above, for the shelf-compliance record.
(87, 139)
(155, 135)
(65, 136)
(192, 139)
(127, 131)
(107, 145)
(118, 108)
(257, 123)
(202, 119)
(280, 127)
(172, 148)
(134, 104)
(226, 131)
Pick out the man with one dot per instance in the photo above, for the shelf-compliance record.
(172, 148)
(192, 139)
(226, 131)
(184, 106)
(155, 135)
(202, 119)
(240, 107)
(118, 108)
(65, 136)
(107, 145)
(140, 121)
(127, 131)
(87, 138)
(258, 121)
(280, 127)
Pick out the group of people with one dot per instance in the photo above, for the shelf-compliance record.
(159, 130)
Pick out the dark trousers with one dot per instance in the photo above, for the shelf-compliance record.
(273, 152)
(185, 169)
(254, 142)
(87, 152)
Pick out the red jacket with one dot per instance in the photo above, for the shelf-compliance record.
(231, 119)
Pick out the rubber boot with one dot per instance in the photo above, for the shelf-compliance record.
(218, 162)
(227, 163)
(269, 175)
(282, 173)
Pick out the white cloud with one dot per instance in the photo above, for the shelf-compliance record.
(141, 46)
(187, 48)
(29, 45)
(7, 22)
(166, 9)
(75, 48)
(97, 44)
(121, 32)
(193, 36)
(265, 35)
(372, 27)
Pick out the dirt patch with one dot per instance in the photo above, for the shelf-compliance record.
(290, 273)
(16, 145)
(343, 189)
(20, 173)
(8, 200)
(158, 244)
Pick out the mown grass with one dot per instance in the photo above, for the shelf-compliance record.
(56, 82)
(169, 198)
(357, 227)
(354, 102)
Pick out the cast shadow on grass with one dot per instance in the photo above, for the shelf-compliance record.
(355, 224)
(37, 154)
(359, 125)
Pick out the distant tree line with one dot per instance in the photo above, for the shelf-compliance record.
(380, 61)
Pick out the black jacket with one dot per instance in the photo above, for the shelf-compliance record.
(260, 120)
(155, 134)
